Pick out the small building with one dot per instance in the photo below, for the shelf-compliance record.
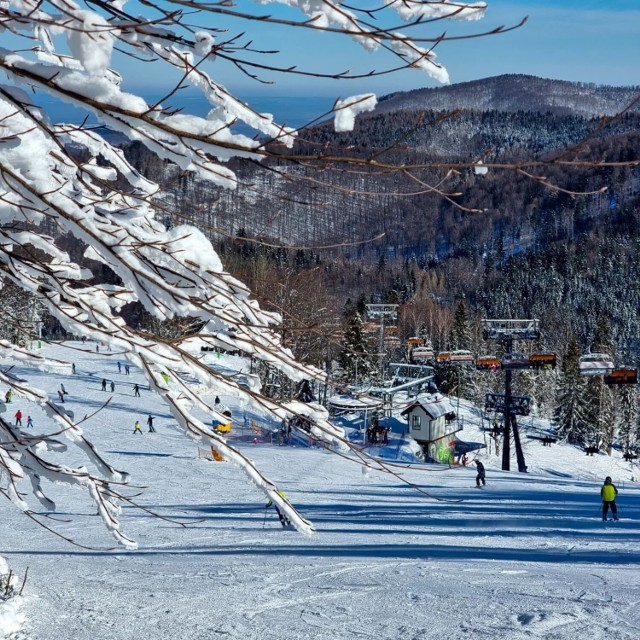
(431, 423)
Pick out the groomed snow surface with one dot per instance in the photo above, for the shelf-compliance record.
(525, 557)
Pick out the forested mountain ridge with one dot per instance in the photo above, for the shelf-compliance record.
(515, 92)
(428, 248)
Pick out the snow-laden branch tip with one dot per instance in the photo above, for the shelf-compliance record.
(347, 110)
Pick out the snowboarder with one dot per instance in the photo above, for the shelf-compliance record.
(18, 418)
(104, 384)
(150, 424)
(112, 386)
(29, 421)
(284, 521)
(136, 427)
(136, 390)
(608, 493)
(481, 477)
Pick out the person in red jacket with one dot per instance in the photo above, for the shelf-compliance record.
(18, 418)
(608, 494)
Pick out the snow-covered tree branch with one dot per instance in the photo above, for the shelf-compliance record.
(60, 48)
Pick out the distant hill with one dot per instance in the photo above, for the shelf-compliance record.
(516, 93)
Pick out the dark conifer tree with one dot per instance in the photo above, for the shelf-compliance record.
(571, 412)
(355, 358)
(628, 418)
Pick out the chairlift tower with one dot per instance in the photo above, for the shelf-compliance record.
(382, 312)
(506, 331)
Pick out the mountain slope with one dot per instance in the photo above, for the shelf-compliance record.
(526, 557)
(516, 93)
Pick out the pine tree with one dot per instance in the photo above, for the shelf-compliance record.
(602, 340)
(628, 416)
(601, 408)
(355, 359)
(458, 376)
(460, 337)
(571, 412)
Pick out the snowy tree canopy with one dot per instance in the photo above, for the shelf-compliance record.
(65, 50)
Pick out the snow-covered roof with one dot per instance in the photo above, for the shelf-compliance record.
(347, 402)
(436, 406)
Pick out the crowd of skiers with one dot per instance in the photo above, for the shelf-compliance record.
(376, 433)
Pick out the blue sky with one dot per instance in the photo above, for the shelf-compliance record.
(582, 40)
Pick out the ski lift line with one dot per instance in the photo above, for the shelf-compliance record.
(385, 467)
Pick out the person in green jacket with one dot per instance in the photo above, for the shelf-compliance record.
(608, 494)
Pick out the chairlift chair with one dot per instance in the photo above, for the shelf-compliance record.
(422, 354)
(487, 363)
(542, 360)
(515, 360)
(595, 364)
(462, 357)
(624, 375)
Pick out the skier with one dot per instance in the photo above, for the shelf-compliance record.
(63, 389)
(608, 493)
(29, 421)
(18, 418)
(112, 386)
(60, 395)
(150, 424)
(136, 390)
(126, 369)
(481, 477)
(7, 396)
(104, 384)
(119, 367)
(136, 427)
(216, 401)
(284, 521)
(73, 367)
